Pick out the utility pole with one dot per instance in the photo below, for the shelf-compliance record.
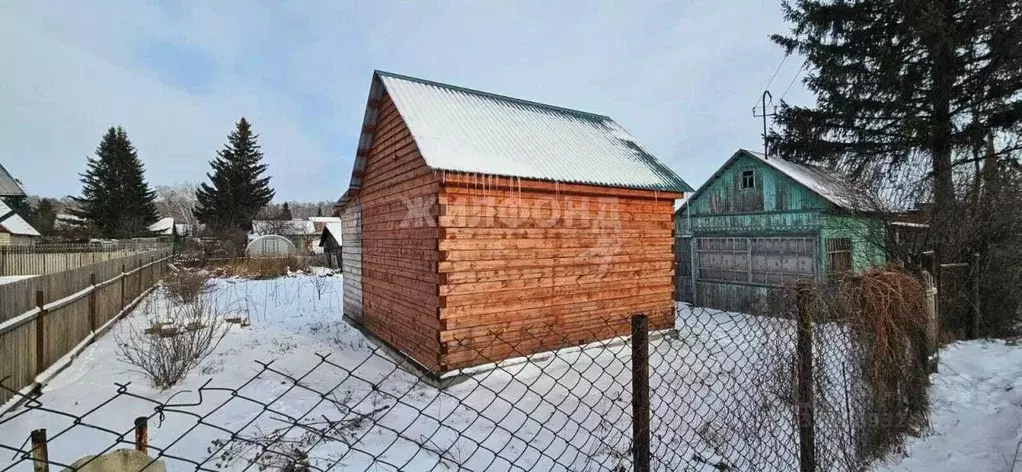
(765, 115)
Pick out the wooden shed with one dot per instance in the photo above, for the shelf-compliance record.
(479, 227)
(760, 222)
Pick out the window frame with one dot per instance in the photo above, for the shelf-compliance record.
(749, 174)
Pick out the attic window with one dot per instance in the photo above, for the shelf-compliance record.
(748, 179)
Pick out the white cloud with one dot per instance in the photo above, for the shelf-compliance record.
(681, 77)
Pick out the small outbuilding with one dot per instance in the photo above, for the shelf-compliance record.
(760, 222)
(330, 242)
(479, 227)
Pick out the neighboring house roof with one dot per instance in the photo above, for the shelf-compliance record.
(9, 187)
(325, 219)
(826, 183)
(463, 130)
(163, 226)
(15, 224)
(332, 230)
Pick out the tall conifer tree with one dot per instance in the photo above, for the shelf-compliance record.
(904, 87)
(237, 190)
(116, 201)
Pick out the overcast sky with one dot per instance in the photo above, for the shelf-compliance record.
(681, 76)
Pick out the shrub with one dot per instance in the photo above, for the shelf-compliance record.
(179, 336)
(186, 286)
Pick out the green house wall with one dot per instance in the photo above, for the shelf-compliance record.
(777, 206)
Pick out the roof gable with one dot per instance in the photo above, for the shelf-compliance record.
(463, 130)
(830, 187)
(15, 224)
(9, 187)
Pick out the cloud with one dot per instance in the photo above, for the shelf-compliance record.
(682, 77)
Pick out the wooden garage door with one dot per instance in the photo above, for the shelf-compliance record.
(761, 261)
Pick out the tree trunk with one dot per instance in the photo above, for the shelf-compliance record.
(943, 184)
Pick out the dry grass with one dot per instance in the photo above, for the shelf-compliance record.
(261, 268)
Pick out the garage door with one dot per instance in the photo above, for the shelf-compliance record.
(762, 261)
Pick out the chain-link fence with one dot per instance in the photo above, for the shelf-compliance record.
(794, 387)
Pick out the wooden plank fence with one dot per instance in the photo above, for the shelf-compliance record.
(53, 258)
(44, 318)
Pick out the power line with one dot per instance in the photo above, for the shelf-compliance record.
(797, 74)
(772, 77)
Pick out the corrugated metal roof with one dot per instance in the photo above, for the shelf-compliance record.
(463, 130)
(8, 186)
(15, 224)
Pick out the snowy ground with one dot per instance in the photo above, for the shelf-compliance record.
(712, 401)
(976, 414)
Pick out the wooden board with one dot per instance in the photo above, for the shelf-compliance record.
(548, 266)
(398, 252)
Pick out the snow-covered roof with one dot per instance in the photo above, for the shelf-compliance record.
(163, 226)
(828, 184)
(9, 187)
(333, 229)
(15, 224)
(825, 182)
(325, 219)
(464, 130)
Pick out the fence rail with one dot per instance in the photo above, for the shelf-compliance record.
(47, 318)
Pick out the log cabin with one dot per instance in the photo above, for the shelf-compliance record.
(479, 227)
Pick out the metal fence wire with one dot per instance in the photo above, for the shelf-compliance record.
(781, 390)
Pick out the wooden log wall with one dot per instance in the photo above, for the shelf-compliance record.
(529, 266)
(399, 253)
(63, 328)
(351, 259)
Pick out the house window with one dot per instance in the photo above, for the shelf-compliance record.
(748, 179)
(839, 257)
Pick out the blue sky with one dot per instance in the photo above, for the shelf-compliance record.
(681, 76)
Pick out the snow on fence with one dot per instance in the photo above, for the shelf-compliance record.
(46, 319)
(789, 389)
(34, 259)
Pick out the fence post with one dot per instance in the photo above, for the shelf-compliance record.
(138, 276)
(142, 434)
(640, 393)
(977, 316)
(804, 348)
(40, 333)
(92, 302)
(123, 276)
(40, 457)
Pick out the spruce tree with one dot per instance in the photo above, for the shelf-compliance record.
(903, 87)
(285, 213)
(236, 191)
(116, 200)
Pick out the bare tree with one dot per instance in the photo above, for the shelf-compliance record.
(177, 201)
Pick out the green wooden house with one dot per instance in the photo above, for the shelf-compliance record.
(760, 222)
